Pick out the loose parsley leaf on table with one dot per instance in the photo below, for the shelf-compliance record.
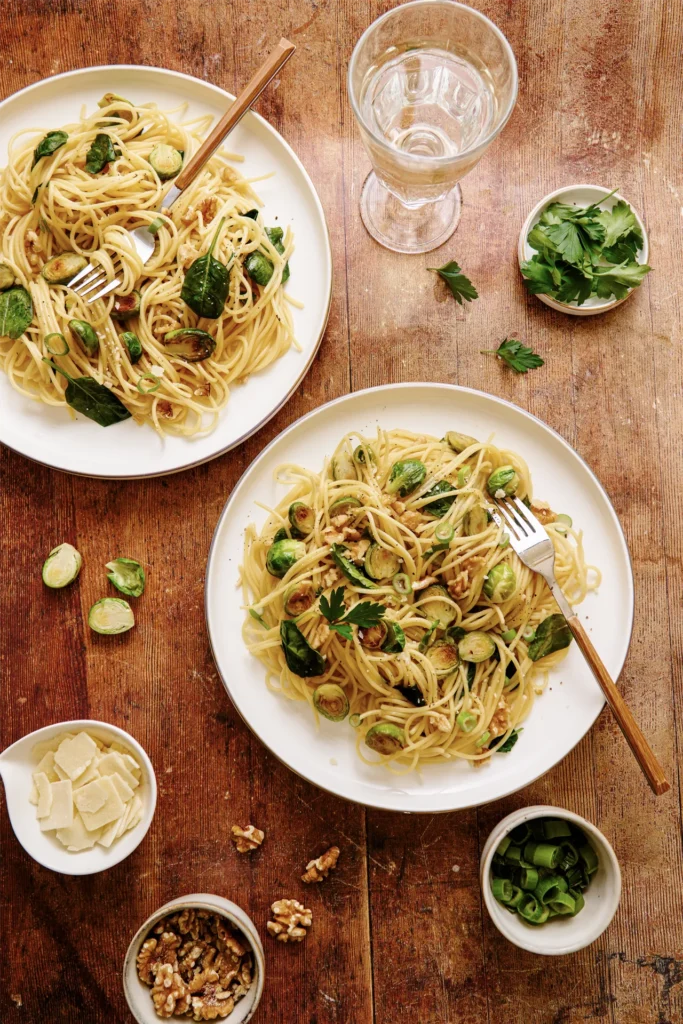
(517, 355)
(364, 614)
(459, 284)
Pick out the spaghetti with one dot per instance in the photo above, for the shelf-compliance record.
(395, 531)
(54, 205)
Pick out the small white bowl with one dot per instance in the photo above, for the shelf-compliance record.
(138, 994)
(579, 195)
(562, 934)
(17, 764)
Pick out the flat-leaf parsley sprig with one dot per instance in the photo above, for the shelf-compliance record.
(460, 285)
(517, 355)
(364, 614)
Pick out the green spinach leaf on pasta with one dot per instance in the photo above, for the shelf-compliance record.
(553, 634)
(101, 152)
(206, 283)
(48, 145)
(16, 312)
(94, 400)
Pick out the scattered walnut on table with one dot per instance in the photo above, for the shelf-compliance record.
(247, 839)
(318, 869)
(291, 919)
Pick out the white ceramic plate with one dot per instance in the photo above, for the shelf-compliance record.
(127, 450)
(327, 756)
(579, 195)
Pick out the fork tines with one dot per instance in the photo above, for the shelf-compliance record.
(91, 278)
(518, 519)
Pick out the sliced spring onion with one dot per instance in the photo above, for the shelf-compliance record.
(554, 828)
(508, 635)
(589, 858)
(466, 721)
(563, 903)
(548, 888)
(157, 223)
(148, 376)
(570, 857)
(531, 910)
(562, 523)
(513, 854)
(517, 897)
(543, 855)
(521, 834)
(502, 889)
(504, 540)
(483, 739)
(402, 584)
(464, 474)
(354, 720)
(527, 878)
(528, 633)
(58, 340)
(256, 614)
(579, 901)
(503, 844)
(444, 532)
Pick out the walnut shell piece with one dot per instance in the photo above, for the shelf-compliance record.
(318, 869)
(247, 839)
(290, 921)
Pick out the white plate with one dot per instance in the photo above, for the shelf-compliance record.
(559, 718)
(127, 450)
(579, 195)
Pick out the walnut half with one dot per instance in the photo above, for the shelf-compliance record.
(291, 919)
(317, 870)
(247, 839)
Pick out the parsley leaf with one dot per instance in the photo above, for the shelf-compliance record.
(460, 286)
(334, 608)
(619, 221)
(517, 355)
(364, 614)
(343, 630)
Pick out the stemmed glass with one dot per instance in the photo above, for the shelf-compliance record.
(431, 84)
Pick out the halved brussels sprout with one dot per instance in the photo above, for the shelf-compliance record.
(134, 346)
(476, 647)
(331, 702)
(363, 451)
(385, 738)
(166, 161)
(86, 335)
(396, 638)
(111, 615)
(126, 306)
(342, 466)
(301, 518)
(127, 575)
(344, 563)
(504, 479)
(458, 442)
(60, 269)
(500, 583)
(373, 637)
(464, 475)
(112, 97)
(406, 476)
(436, 604)
(189, 343)
(345, 506)
(282, 555)
(299, 598)
(7, 277)
(61, 566)
(475, 521)
(381, 563)
(56, 344)
(443, 657)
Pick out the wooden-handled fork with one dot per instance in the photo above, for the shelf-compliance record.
(535, 549)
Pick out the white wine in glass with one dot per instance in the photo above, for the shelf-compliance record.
(431, 83)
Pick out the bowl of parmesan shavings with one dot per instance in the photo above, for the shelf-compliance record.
(583, 250)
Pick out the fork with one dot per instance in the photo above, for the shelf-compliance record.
(93, 278)
(535, 549)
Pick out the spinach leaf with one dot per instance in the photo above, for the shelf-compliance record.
(16, 312)
(553, 634)
(252, 214)
(86, 395)
(441, 506)
(275, 235)
(302, 659)
(413, 694)
(49, 145)
(206, 283)
(101, 152)
(505, 748)
(349, 569)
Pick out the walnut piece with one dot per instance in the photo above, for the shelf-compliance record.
(330, 577)
(317, 870)
(440, 721)
(543, 511)
(156, 952)
(291, 919)
(170, 994)
(247, 839)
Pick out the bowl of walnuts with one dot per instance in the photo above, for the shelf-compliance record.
(197, 958)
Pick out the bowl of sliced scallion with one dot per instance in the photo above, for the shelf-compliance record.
(550, 879)
(583, 250)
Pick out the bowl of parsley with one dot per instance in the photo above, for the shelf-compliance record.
(583, 250)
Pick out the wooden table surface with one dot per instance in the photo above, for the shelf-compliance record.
(399, 931)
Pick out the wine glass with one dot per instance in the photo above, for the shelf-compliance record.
(431, 84)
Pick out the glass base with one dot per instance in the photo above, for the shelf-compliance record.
(403, 229)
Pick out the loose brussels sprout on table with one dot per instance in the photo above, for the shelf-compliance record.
(301, 518)
(476, 647)
(500, 583)
(385, 738)
(302, 659)
(436, 604)
(282, 555)
(504, 479)
(331, 702)
(127, 575)
(406, 476)
(111, 615)
(166, 161)
(61, 566)
(60, 269)
(299, 598)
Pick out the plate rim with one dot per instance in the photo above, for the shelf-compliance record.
(321, 211)
(405, 385)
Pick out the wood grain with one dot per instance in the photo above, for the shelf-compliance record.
(399, 930)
